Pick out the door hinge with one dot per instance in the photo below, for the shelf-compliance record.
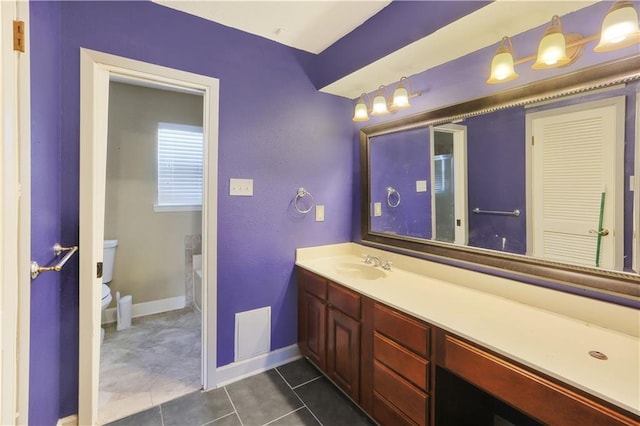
(99, 270)
(533, 140)
(18, 36)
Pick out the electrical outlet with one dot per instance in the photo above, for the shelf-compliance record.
(320, 213)
(421, 186)
(241, 187)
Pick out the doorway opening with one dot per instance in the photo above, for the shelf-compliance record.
(151, 350)
(449, 183)
(98, 71)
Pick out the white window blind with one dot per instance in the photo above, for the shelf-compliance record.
(180, 154)
(442, 165)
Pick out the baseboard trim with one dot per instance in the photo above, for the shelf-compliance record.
(147, 308)
(239, 370)
(68, 421)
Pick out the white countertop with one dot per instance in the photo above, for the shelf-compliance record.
(551, 341)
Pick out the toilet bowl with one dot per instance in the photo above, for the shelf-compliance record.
(108, 262)
(106, 296)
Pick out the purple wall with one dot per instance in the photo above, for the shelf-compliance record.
(274, 127)
(496, 179)
(395, 26)
(398, 160)
(45, 357)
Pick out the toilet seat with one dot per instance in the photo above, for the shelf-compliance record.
(106, 296)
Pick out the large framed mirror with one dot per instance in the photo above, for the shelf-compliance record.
(537, 183)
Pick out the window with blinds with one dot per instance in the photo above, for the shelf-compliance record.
(180, 154)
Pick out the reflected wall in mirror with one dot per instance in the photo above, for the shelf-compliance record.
(578, 157)
(536, 174)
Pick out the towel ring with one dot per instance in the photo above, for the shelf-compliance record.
(391, 192)
(302, 193)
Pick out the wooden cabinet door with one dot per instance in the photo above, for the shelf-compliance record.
(343, 352)
(312, 328)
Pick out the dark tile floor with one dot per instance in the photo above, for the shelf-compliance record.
(294, 394)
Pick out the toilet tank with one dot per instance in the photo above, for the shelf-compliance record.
(108, 261)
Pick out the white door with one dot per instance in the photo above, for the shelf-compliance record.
(14, 217)
(576, 181)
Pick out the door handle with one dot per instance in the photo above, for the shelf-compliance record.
(603, 232)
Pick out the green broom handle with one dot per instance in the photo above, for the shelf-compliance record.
(599, 237)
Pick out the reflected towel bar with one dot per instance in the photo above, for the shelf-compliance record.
(516, 212)
(57, 249)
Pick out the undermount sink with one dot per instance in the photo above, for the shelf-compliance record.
(359, 270)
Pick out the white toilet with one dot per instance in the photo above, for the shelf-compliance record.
(108, 261)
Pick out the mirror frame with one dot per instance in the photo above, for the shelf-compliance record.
(623, 286)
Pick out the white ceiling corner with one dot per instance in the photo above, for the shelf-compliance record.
(307, 25)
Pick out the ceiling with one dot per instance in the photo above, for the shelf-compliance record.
(319, 26)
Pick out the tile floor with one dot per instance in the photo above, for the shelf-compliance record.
(156, 360)
(294, 394)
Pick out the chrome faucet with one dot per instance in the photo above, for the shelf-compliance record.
(377, 261)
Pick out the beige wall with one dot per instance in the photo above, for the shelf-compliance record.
(150, 261)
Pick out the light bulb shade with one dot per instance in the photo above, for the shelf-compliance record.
(552, 50)
(619, 28)
(401, 96)
(502, 64)
(360, 112)
(379, 106)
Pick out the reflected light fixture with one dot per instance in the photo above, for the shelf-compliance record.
(619, 28)
(502, 63)
(380, 106)
(552, 50)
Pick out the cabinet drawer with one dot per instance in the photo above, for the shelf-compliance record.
(402, 394)
(543, 399)
(404, 330)
(345, 300)
(407, 364)
(388, 415)
(313, 284)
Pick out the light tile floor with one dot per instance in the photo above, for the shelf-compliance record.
(156, 360)
(294, 394)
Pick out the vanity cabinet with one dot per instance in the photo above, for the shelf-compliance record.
(388, 362)
(544, 399)
(329, 330)
(401, 368)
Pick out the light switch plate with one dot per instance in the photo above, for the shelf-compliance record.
(241, 187)
(319, 213)
(421, 186)
(377, 209)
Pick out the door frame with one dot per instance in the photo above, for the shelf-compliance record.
(15, 216)
(96, 70)
(636, 191)
(461, 199)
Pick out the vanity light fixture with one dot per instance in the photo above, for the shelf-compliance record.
(552, 50)
(619, 29)
(401, 95)
(380, 105)
(360, 112)
(502, 63)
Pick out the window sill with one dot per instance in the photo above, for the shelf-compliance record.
(169, 208)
